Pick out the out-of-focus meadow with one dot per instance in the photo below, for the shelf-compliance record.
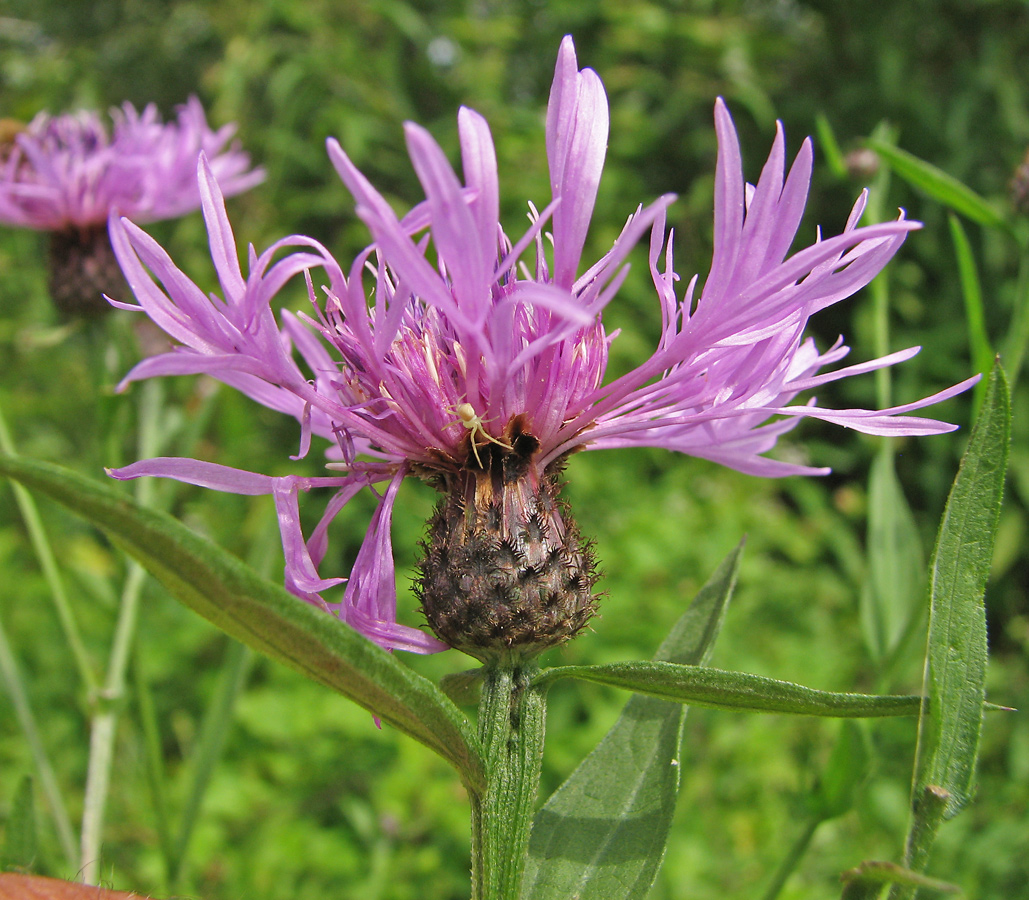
(308, 799)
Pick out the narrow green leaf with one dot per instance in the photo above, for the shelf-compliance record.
(893, 592)
(830, 147)
(602, 834)
(971, 291)
(265, 616)
(956, 657)
(717, 689)
(939, 185)
(19, 851)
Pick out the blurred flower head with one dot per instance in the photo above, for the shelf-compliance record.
(67, 174)
(451, 352)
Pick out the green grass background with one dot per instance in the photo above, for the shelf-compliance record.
(310, 800)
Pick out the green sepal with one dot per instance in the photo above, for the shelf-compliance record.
(939, 185)
(602, 833)
(718, 689)
(265, 616)
(955, 685)
(20, 839)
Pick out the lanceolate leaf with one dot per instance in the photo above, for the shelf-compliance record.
(701, 686)
(938, 185)
(265, 616)
(957, 619)
(602, 834)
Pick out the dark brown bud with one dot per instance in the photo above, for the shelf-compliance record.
(505, 572)
(82, 268)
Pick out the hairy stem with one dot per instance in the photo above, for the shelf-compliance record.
(512, 723)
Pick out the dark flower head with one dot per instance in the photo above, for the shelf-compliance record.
(479, 366)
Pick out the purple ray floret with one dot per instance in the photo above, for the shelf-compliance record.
(69, 170)
(472, 341)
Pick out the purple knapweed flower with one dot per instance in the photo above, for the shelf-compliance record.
(67, 174)
(479, 370)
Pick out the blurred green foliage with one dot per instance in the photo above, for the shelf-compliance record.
(311, 799)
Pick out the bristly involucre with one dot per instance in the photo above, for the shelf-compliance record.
(505, 572)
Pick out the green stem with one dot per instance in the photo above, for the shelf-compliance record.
(792, 859)
(512, 723)
(927, 816)
(104, 721)
(103, 726)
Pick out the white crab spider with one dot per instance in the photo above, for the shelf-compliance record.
(473, 422)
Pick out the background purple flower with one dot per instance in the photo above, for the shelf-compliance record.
(71, 170)
(481, 370)
(67, 174)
